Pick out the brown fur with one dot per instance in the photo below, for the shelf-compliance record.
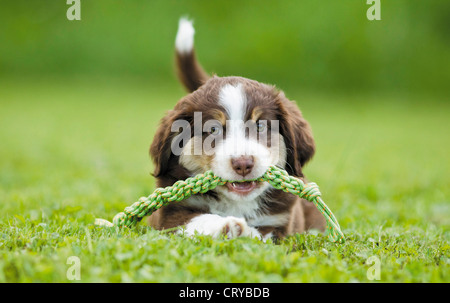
(189, 71)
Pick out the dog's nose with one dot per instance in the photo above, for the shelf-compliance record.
(243, 165)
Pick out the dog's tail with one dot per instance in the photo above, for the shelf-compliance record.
(189, 71)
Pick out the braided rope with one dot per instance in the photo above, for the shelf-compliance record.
(202, 183)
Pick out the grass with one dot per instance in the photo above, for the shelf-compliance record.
(72, 151)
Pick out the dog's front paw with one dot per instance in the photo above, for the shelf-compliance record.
(234, 227)
(217, 226)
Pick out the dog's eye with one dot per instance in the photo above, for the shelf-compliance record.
(260, 126)
(215, 130)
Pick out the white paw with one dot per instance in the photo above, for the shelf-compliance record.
(217, 226)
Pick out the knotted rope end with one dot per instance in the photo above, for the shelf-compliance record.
(103, 223)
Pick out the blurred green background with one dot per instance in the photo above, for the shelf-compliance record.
(323, 45)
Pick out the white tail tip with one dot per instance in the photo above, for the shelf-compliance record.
(184, 42)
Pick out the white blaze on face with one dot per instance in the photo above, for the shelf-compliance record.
(235, 143)
(233, 99)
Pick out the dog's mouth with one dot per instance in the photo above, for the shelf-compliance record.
(242, 188)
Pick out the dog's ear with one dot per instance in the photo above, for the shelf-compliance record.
(160, 149)
(297, 134)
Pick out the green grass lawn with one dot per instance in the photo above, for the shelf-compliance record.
(72, 151)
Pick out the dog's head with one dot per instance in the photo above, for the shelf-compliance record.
(234, 126)
(237, 128)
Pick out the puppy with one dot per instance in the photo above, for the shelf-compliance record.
(237, 128)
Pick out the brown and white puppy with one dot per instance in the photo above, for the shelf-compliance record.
(248, 127)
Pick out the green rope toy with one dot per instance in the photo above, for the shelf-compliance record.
(202, 183)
